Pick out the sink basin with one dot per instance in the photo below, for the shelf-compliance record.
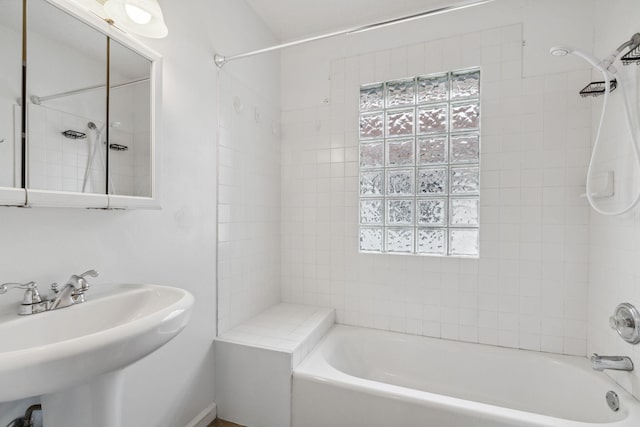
(50, 352)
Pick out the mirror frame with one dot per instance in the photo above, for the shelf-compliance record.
(17, 195)
(13, 196)
(27, 197)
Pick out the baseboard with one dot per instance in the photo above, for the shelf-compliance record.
(204, 418)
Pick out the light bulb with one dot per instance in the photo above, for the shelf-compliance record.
(137, 14)
(141, 17)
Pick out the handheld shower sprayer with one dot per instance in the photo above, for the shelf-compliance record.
(608, 71)
(95, 148)
(601, 66)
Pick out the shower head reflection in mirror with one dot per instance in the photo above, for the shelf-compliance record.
(609, 72)
(95, 146)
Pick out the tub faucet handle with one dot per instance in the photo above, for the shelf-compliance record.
(617, 321)
(626, 321)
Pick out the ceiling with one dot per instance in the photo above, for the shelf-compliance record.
(292, 19)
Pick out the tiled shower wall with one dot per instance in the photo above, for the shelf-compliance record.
(615, 241)
(528, 289)
(131, 169)
(59, 163)
(248, 201)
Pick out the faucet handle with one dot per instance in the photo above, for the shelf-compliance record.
(91, 273)
(4, 288)
(31, 295)
(626, 321)
(617, 321)
(80, 283)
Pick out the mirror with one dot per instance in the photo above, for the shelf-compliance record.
(10, 93)
(129, 122)
(90, 94)
(66, 102)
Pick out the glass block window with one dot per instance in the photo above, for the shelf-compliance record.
(420, 165)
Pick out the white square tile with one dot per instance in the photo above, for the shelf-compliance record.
(526, 208)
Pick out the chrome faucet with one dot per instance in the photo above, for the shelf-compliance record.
(618, 363)
(72, 293)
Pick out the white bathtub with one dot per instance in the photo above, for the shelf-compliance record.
(359, 377)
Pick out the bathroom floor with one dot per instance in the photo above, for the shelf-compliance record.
(222, 423)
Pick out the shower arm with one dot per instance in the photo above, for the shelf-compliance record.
(631, 44)
(220, 60)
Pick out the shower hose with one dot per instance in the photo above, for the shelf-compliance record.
(633, 141)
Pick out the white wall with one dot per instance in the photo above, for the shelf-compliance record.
(248, 198)
(614, 249)
(174, 246)
(548, 23)
(529, 287)
(249, 180)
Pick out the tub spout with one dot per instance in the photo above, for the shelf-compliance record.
(618, 363)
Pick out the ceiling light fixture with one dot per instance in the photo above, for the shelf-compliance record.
(141, 17)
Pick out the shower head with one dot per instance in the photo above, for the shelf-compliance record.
(566, 50)
(114, 124)
(559, 51)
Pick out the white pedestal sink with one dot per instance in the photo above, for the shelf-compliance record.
(73, 357)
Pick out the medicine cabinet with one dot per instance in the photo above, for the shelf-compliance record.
(79, 120)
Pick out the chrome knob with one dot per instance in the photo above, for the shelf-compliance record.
(626, 321)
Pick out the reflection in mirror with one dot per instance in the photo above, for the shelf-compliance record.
(10, 93)
(130, 123)
(66, 98)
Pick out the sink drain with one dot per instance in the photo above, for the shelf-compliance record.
(613, 401)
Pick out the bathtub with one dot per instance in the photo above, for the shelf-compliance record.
(360, 377)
